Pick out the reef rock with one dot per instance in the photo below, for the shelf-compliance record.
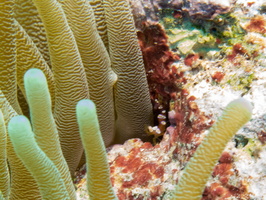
(144, 10)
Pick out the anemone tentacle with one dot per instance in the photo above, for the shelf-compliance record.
(70, 78)
(4, 173)
(43, 124)
(99, 15)
(98, 175)
(200, 166)
(97, 64)
(8, 53)
(132, 100)
(44, 171)
(21, 181)
(28, 17)
(29, 56)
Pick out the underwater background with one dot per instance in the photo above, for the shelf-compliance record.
(169, 82)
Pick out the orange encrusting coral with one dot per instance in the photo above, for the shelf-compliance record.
(222, 188)
(190, 59)
(218, 76)
(132, 170)
(257, 24)
(237, 49)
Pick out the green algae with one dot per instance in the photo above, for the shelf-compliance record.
(248, 145)
(188, 36)
(241, 82)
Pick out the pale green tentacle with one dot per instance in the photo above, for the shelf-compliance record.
(21, 180)
(69, 75)
(48, 178)
(98, 176)
(200, 166)
(43, 123)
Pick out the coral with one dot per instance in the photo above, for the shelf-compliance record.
(196, 9)
(73, 60)
(185, 36)
(202, 10)
(132, 175)
(218, 76)
(222, 187)
(242, 81)
(257, 24)
(189, 120)
(262, 136)
(190, 59)
(163, 74)
(237, 49)
(142, 171)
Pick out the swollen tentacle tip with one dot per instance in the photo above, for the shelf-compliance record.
(34, 73)
(20, 132)
(34, 78)
(17, 124)
(86, 106)
(86, 109)
(243, 104)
